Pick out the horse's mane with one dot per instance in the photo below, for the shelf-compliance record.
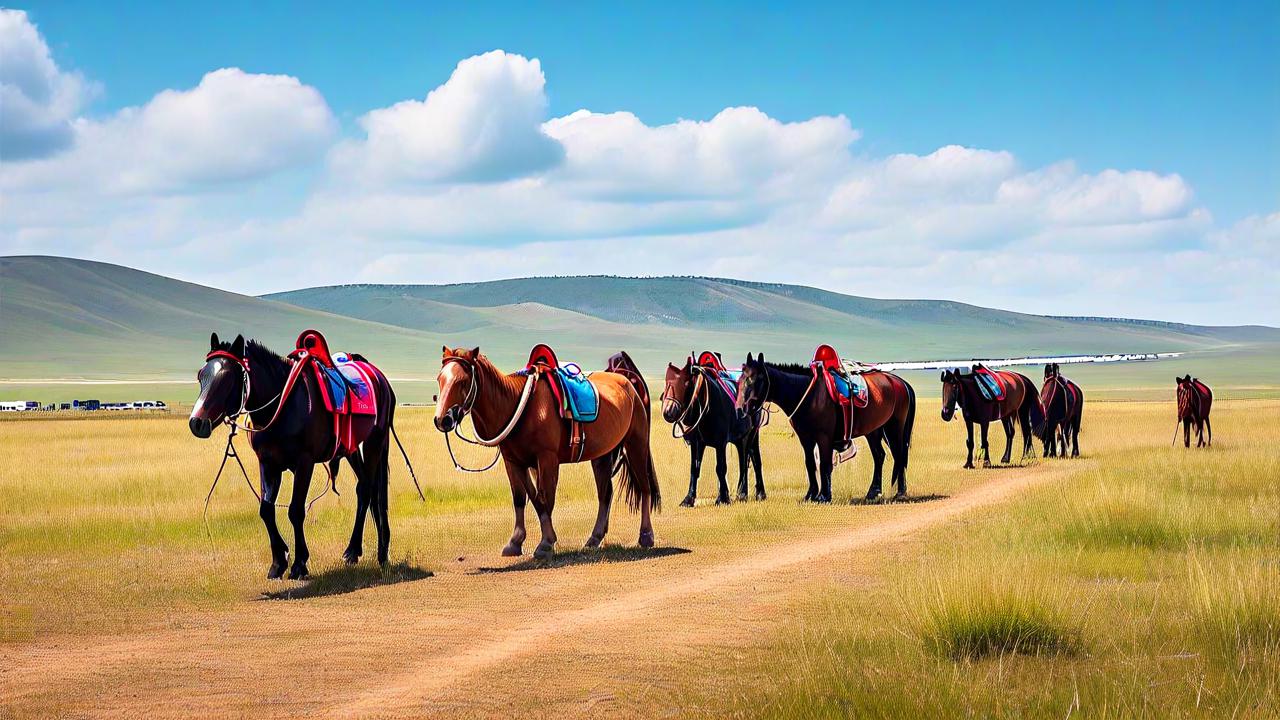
(509, 384)
(262, 359)
(792, 368)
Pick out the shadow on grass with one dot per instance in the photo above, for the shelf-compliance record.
(889, 500)
(349, 578)
(587, 556)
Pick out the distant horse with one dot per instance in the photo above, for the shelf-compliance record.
(1063, 403)
(519, 414)
(1195, 400)
(698, 404)
(819, 423)
(1020, 401)
(293, 431)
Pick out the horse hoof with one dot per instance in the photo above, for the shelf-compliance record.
(760, 495)
(544, 551)
(594, 541)
(687, 502)
(646, 539)
(742, 497)
(299, 573)
(722, 500)
(276, 572)
(899, 497)
(822, 500)
(512, 550)
(350, 558)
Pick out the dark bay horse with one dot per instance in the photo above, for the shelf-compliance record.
(1195, 400)
(519, 414)
(294, 433)
(697, 405)
(819, 425)
(1063, 403)
(1020, 401)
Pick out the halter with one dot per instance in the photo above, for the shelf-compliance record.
(468, 403)
(698, 384)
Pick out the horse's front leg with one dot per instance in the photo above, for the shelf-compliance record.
(968, 443)
(269, 478)
(810, 466)
(986, 449)
(298, 517)
(1186, 433)
(696, 450)
(722, 474)
(548, 479)
(743, 462)
(602, 468)
(754, 449)
(825, 466)
(518, 476)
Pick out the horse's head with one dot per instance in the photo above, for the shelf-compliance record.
(222, 385)
(1186, 397)
(950, 393)
(675, 395)
(753, 385)
(1051, 370)
(457, 381)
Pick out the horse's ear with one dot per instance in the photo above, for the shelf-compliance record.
(237, 346)
(749, 360)
(475, 352)
(760, 359)
(943, 377)
(444, 351)
(213, 342)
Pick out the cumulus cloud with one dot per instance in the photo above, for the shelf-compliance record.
(38, 100)
(232, 126)
(483, 124)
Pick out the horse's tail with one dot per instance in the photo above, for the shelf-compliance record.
(635, 484)
(1031, 406)
(911, 414)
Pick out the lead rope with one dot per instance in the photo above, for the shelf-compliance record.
(530, 380)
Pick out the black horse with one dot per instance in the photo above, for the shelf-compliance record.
(1020, 401)
(295, 432)
(819, 425)
(1063, 403)
(695, 402)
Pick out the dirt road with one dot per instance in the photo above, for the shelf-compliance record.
(481, 637)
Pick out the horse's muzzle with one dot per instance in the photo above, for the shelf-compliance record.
(947, 415)
(448, 421)
(200, 427)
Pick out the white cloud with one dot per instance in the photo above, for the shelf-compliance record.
(37, 99)
(484, 124)
(233, 126)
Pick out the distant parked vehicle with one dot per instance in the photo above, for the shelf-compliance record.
(19, 406)
(64, 406)
(86, 404)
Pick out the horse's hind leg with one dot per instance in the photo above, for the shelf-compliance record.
(270, 480)
(898, 448)
(376, 457)
(1209, 426)
(298, 517)
(874, 442)
(986, 449)
(602, 468)
(826, 466)
(696, 450)
(1007, 422)
(722, 474)
(355, 548)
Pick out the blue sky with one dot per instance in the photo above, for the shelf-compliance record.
(1167, 90)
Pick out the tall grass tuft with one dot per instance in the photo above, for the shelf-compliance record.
(1237, 608)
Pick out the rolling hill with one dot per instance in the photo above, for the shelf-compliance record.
(66, 318)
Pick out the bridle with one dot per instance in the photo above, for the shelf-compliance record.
(468, 404)
(668, 396)
(232, 419)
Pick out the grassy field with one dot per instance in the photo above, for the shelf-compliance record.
(1139, 580)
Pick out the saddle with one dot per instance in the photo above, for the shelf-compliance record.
(347, 385)
(714, 368)
(576, 397)
(845, 385)
(1050, 391)
(990, 383)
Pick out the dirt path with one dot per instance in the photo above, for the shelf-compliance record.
(620, 637)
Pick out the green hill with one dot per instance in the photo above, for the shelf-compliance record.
(65, 318)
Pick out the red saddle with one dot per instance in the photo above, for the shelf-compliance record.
(348, 386)
(708, 359)
(825, 364)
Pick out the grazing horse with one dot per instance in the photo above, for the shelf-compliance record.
(1020, 401)
(1195, 400)
(699, 404)
(1063, 403)
(520, 415)
(819, 424)
(292, 430)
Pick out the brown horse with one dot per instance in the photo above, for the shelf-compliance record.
(820, 424)
(519, 414)
(1195, 400)
(1020, 400)
(1063, 403)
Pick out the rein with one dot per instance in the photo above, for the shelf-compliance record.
(698, 385)
(468, 404)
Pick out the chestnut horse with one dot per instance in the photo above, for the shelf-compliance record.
(1195, 400)
(520, 415)
(819, 424)
(294, 433)
(1020, 401)
(694, 402)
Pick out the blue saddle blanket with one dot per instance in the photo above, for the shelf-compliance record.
(853, 387)
(728, 382)
(337, 387)
(579, 394)
(989, 387)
